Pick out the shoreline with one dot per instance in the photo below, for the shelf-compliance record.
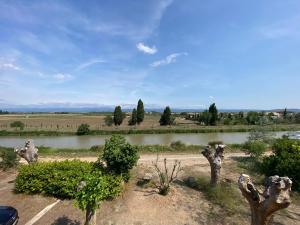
(167, 130)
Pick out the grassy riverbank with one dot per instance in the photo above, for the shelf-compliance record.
(162, 130)
(176, 147)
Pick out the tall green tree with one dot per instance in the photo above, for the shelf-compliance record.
(285, 113)
(118, 116)
(133, 119)
(205, 117)
(166, 118)
(214, 114)
(140, 111)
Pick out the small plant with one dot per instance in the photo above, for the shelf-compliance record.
(9, 159)
(255, 148)
(96, 148)
(17, 124)
(120, 156)
(166, 178)
(177, 145)
(83, 129)
(95, 188)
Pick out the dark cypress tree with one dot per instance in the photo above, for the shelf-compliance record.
(133, 119)
(285, 113)
(166, 117)
(118, 116)
(214, 114)
(140, 112)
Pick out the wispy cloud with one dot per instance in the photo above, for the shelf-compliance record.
(62, 77)
(9, 66)
(89, 63)
(146, 49)
(168, 60)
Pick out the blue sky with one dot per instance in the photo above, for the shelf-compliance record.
(239, 54)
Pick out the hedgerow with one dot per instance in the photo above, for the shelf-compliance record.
(59, 179)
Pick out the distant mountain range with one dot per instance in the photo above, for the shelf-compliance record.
(71, 107)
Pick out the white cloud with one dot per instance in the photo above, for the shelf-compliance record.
(9, 66)
(168, 60)
(146, 49)
(89, 63)
(62, 76)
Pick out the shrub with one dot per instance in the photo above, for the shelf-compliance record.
(285, 161)
(9, 159)
(120, 156)
(83, 129)
(18, 124)
(108, 120)
(96, 148)
(58, 179)
(177, 145)
(166, 178)
(255, 148)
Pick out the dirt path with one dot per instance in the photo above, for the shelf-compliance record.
(185, 158)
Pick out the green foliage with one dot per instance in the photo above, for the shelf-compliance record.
(213, 111)
(205, 117)
(285, 161)
(97, 187)
(255, 148)
(8, 158)
(83, 129)
(252, 118)
(108, 120)
(297, 118)
(58, 179)
(118, 116)
(166, 118)
(120, 156)
(133, 119)
(140, 112)
(17, 124)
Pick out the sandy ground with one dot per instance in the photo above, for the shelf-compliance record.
(142, 205)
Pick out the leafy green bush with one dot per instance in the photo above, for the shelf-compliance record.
(8, 159)
(18, 124)
(59, 179)
(83, 129)
(120, 156)
(255, 148)
(285, 161)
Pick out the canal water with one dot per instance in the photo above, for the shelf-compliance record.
(138, 139)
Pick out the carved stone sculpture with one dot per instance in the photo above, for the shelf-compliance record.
(29, 152)
(215, 161)
(276, 196)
